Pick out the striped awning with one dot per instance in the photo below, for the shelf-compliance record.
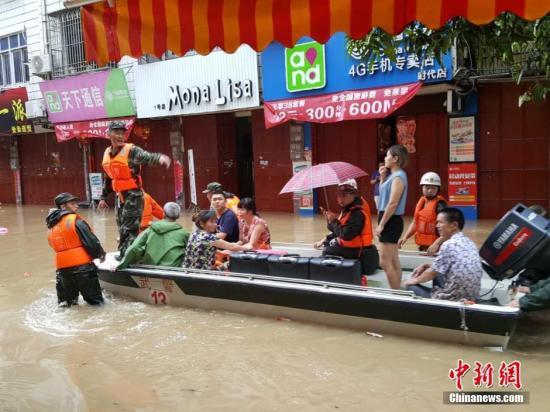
(138, 27)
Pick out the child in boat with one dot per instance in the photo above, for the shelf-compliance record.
(423, 226)
(200, 252)
(253, 230)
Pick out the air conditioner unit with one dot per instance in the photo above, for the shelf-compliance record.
(41, 64)
(35, 108)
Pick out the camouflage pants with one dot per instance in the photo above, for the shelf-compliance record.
(128, 218)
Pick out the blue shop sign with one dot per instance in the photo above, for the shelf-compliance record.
(331, 69)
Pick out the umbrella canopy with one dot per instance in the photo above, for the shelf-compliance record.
(321, 175)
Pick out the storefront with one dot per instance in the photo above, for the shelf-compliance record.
(356, 110)
(14, 124)
(80, 109)
(209, 102)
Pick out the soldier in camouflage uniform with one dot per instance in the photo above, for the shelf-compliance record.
(122, 164)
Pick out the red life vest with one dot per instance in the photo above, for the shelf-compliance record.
(150, 209)
(365, 238)
(119, 171)
(425, 219)
(64, 239)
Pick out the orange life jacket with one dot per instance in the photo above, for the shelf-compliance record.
(425, 216)
(119, 171)
(150, 209)
(64, 239)
(365, 238)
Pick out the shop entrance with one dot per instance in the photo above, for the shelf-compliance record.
(245, 159)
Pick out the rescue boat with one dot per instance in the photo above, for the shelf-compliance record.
(309, 297)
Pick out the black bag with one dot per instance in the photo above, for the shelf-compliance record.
(248, 262)
(289, 266)
(335, 269)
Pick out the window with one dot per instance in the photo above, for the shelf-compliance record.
(13, 56)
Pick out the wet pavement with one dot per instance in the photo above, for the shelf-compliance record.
(133, 356)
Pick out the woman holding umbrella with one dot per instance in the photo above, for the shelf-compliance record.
(393, 196)
(351, 232)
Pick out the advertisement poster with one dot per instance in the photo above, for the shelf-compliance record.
(303, 201)
(462, 139)
(406, 129)
(96, 185)
(463, 184)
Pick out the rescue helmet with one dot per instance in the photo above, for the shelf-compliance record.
(349, 186)
(430, 178)
(63, 198)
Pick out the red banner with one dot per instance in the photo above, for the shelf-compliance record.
(336, 107)
(89, 129)
(463, 184)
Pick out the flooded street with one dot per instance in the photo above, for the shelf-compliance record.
(133, 356)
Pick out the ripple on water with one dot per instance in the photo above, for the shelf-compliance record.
(45, 316)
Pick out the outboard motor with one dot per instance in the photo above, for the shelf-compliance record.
(521, 239)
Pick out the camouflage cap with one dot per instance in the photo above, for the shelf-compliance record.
(63, 198)
(117, 124)
(212, 187)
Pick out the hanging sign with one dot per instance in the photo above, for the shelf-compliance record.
(336, 107)
(90, 129)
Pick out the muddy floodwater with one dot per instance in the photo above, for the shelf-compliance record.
(130, 356)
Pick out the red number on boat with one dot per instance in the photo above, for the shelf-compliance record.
(159, 297)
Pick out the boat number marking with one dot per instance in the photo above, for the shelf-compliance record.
(159, 298)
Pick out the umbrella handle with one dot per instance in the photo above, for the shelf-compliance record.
(326, 197)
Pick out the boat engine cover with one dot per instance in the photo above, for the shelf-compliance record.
(521, 239)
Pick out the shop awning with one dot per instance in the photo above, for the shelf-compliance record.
(139, 27)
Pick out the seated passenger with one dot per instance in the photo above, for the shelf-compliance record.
(162, 244)
(423, 226)
(253, 230)
(351, 231)
(456, 271)
(151, 209)
(232, 200)
(200, 252)
(227, 222)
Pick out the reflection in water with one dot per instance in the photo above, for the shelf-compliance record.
(129, 355)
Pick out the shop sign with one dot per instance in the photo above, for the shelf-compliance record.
(309, 69)
(336, 107)
(406, 129)
(198, 84)
(88, 96)
(462, 139)
(96, 185)
(463, 184)
(305, 67)
(90, 129)
(13, 118)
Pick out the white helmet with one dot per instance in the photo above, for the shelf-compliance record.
(430, 178)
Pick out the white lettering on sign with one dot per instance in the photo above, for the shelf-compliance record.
(225, 92)
(510, 230)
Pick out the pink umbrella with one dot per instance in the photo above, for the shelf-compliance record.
(322, 175)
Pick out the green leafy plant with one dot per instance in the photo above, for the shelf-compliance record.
(507, 47)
